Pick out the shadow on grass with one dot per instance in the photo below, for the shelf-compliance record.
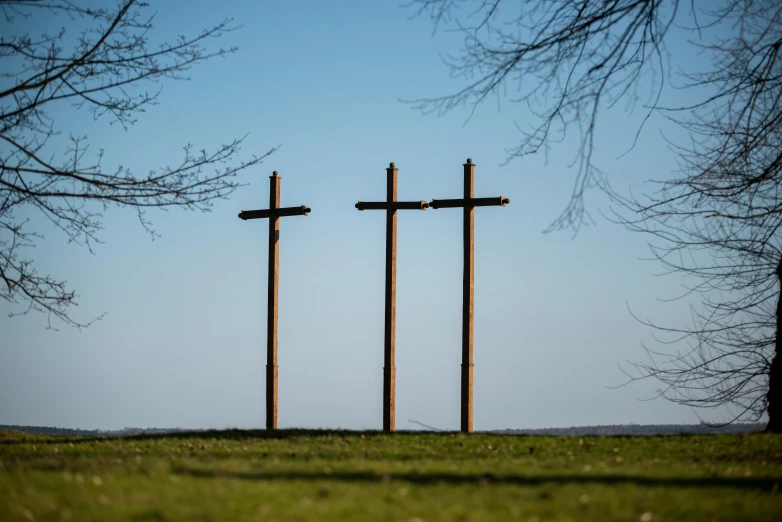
(767, 484)
(13, 437)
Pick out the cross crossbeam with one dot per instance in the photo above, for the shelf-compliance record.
(273, 214)
(468, 203)
(391, 205)
(471, 202)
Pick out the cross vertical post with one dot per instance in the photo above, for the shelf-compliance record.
(271, 310)
(468, 204)
(390, 205)
(273, 214)
(389, 346)
(468, 294)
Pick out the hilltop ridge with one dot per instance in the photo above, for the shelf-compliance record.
(610, 429)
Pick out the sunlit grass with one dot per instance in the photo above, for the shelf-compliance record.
(328, 475)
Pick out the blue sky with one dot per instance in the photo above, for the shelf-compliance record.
(183, 340)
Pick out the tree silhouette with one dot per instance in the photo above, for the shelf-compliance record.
(101, 69)
(716, 220)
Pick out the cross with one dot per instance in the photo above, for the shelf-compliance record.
(468, 203)
(273, 213)
(391, 205)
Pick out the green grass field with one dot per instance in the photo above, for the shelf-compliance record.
(409, 477)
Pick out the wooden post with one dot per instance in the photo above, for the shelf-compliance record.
(468, 293)
(389, 348)
(273, 214)
(468, 203)
(271, 311)
(390, 205)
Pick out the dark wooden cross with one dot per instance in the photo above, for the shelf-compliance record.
(468, 203)
(273, 213)
(391, 205)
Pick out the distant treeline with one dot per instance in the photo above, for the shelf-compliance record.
(612, 429)
(638, 429)
(47, 430)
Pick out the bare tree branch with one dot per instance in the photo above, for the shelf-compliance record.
(716, 221)
(102, 73)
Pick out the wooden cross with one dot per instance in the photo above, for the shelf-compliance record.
(391, 205)
(468, 203)
(273, 213)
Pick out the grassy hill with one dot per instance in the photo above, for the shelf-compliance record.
(411, 477)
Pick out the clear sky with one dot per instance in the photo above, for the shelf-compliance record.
(183, 340)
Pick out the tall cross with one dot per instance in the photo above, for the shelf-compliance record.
(391, 205)
(273, 213)
(468, 203)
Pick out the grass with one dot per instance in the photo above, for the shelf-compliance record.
(410, 477)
